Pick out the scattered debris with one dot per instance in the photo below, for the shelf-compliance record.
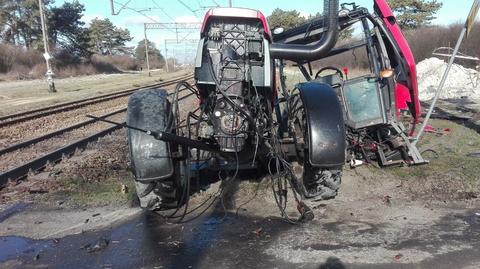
(433, 155)
(474, 154)
(36, 257)
(175, 243)
(438, 131)
(34, 190)
(124, 189)
(259, 231)
(387, 200)
(101, 244)
(96, 215)
(55, 172)
(467, 195)
(398, 257)
(356, 163)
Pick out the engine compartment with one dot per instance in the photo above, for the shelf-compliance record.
(234, 74)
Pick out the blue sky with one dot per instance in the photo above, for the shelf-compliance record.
(452, 11)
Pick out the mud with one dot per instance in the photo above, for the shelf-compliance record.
(446, 238)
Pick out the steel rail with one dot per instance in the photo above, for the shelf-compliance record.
(22, 171)
(46, 111)
(55, 156)
(35, 140)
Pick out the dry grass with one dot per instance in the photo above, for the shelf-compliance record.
(18, 63)
(122, 62)
(16, 96)
(424, 40)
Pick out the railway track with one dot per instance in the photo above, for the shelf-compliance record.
(50, 110)
(54, 156)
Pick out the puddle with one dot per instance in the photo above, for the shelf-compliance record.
(12, 247)
(473, 219)
(215, 241)
(148, 240)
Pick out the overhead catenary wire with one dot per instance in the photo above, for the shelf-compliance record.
(188, 7)
(162, 10)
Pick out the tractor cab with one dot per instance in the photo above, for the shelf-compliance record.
(374, 99)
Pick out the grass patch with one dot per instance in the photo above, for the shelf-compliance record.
(452, 160)
(79, 192)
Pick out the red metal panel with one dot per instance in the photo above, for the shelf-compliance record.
(237, 13)
(385, 12)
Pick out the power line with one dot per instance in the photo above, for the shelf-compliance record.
(132, 9)
(139, 12)
(123, 6)
(162, 10)
(188, 7)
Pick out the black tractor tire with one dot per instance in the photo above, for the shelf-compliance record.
(158, 195)
(320, 183)
(156, 188)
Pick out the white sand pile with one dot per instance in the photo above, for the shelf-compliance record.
(461, 81)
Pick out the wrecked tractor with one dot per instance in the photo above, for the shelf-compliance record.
(248, 124)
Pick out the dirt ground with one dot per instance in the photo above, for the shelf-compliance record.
(422, 217)
(82, 213)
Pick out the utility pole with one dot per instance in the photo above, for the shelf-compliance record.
(166, 56)
(49, 74)
(173, 52)
(112, 8)
(230, 3)
(146, 49)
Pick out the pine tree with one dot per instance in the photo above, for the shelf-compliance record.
(286, 19)
(106, 38)
(155, 58)
(412, 14)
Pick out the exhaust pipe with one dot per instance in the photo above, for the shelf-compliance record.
(296, 52)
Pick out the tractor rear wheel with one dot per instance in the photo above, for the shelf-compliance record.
(320, 183)
(157, 175)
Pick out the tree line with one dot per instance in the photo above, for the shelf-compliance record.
(20, 25)
(73, 41)
(411, 14)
